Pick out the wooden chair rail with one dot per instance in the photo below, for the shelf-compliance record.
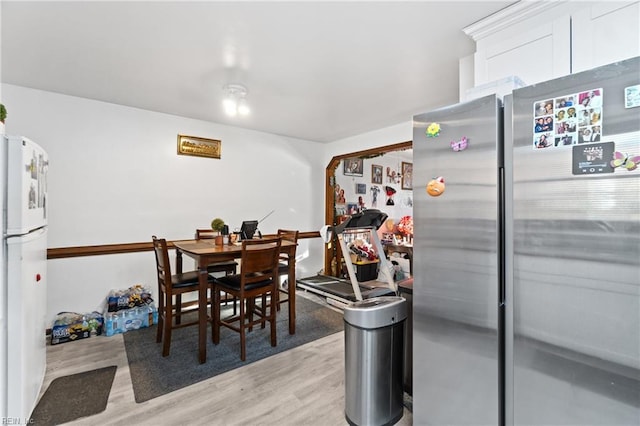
(98, 250)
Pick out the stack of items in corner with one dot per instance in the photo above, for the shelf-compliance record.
(129, 309)
(71, 326)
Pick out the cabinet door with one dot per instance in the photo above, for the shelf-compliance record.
(603, 33)
(540, 41)
(530, 40)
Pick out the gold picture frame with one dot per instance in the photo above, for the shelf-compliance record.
(407, 175)
(199, 147)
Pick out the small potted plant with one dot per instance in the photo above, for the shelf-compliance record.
(217, 225)
(3, 115)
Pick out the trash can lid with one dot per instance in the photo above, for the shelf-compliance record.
(376, 312)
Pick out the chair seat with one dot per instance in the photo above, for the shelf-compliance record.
(233, 282)
(187, 279)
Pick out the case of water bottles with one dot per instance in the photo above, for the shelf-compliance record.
(130, 319)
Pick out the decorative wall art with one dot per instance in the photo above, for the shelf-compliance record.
(390, 191)
(361, 188)
(361, 205)
(374, 195)
(407, 175)
(340, 197)
(376, 174)
(199, 147)
(353, 167)
(392, 176)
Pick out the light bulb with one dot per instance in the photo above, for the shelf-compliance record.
(243, 108)
(234, 102)
(230, 106)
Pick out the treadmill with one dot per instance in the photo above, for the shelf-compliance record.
(341, 292)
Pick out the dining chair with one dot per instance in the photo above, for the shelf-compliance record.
(170, 286)
(229, 267)
(258, 276)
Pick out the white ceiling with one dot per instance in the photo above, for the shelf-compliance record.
(319, 71)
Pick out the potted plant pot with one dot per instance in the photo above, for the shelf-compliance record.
(217, 224)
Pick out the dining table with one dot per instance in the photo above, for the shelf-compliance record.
(206, 251)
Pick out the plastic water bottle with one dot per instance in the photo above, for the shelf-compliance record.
(109, 324)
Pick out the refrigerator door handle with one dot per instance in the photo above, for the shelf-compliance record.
(501, 238)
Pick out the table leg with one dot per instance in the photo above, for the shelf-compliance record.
(178, 261)
(291, 281)
(202, 313)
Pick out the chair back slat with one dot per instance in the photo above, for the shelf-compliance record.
(202, 234)
(259, 260)
(162, 261)
(287, 235)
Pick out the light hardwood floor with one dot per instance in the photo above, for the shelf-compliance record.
(302, 386)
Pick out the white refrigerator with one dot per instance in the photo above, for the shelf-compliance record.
(23, 294)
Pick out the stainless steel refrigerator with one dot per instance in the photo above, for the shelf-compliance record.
(527, 255)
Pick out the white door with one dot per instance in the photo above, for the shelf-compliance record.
(28, 165)
(26, 321)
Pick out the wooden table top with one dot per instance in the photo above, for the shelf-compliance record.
(208, 246)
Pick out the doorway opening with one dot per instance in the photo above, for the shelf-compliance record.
(373, 178)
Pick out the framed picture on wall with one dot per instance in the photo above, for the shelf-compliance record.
(361, 188)
(353, 166)
(407, 175)
(376, 174)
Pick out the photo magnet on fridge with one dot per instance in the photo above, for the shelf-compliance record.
(593, 158)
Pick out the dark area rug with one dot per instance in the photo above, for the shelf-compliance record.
(152, 375)
(72, 397)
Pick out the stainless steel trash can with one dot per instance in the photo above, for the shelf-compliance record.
(374, 351)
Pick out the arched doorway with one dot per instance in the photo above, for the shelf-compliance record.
(332, 255)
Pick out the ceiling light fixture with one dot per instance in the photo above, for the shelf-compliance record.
(235, 101)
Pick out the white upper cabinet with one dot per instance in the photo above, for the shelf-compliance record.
(539, 41)
(605, 32)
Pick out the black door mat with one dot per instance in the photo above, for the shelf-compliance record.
(72, 397)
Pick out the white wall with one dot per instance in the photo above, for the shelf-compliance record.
(403, 199)
(115, 177)
(401, 132)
